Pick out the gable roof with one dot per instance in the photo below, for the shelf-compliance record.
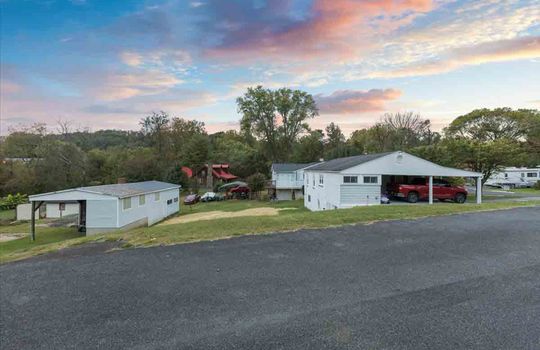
(339, 164)
(289, 167)
(119, 190)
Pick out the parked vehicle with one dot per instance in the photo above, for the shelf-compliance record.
(418, 189)
(240, 192)
(208, 197)
(191, 199)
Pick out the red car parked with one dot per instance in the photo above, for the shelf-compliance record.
(419, 189)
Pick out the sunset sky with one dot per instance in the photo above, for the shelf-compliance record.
(106, 64)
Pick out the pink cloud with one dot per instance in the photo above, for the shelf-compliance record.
(497, 51)
(333, 28)
(356, 101)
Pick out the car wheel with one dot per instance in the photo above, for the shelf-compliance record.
(460, 198)
(412, 197)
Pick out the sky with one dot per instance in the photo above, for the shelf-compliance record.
(104, 64)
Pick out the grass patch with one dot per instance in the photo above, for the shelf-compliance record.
(7, 215)
(237, 205)
(46, 237)
(526, 190)
(287, 220)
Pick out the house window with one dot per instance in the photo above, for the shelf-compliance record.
(175, 199)
(142, 199)
(371, 179)
(309, 198)
(156, 196)
(169, 201)
(321, 180)
(522, 174)
(350, 179)
(531, 175)
(313, 180)
(126, 203)
(505, 175)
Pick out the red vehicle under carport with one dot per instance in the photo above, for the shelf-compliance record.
(418, 189)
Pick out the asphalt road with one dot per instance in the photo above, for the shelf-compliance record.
(468, 281)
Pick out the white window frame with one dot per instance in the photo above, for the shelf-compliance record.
(350, 179)
(157, 197)
(321, 180)
(143, 202)
(532, 175)
(124, 201)
(370, 177)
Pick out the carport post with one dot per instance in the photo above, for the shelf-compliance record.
(479, 190)
(431, 190)
(33, 222)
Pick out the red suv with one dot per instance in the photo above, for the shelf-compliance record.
(419, 189)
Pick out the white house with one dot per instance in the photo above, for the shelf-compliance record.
(515, 177)
(118, 206)
(360, 180)
(288, 180)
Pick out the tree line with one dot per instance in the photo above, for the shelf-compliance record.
(274, 127)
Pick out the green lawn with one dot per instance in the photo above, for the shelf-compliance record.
(51, 239)
(7, 215)
(526, 190)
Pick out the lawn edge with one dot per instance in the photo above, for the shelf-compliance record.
(129, 245)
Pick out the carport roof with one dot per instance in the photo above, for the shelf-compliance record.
(116, 190)
(391, 163)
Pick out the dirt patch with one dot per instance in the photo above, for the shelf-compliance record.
(5, 237)
(211, 215)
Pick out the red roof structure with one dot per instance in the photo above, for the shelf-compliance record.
(220, 172)
(187, 171)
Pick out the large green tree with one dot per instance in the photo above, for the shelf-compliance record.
(156, 127)
(276, 118)
(492, 124)
(309, 148)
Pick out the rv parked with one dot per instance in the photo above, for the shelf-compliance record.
(515, 178)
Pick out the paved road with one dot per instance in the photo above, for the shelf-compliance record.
(456, 282)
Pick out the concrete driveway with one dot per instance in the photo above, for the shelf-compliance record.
(469, 281)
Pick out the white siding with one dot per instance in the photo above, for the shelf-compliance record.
(53, 209)
(355, 195)
(101, 214)
(152, 211)
(323, 196)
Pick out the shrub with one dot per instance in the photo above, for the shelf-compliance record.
(11, 201)
(456, 181)
(256, 183)
(537, 185)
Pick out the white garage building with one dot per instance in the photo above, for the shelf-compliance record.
(360, 180)
(118, 206)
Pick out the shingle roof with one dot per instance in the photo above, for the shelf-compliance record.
(339, 164)
(129, 189)
(287, 167)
